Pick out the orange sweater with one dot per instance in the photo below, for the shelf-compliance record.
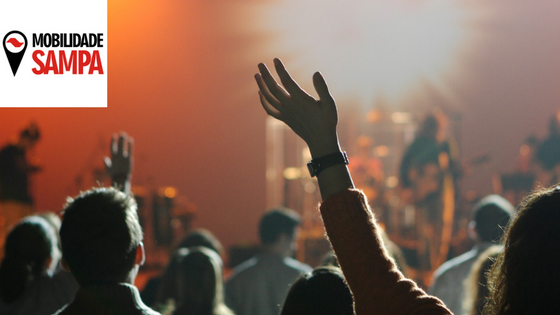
(377, 284)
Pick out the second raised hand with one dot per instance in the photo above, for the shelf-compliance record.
(314, 120)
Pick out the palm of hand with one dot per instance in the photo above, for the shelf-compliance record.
(314, 120)
(120, 163)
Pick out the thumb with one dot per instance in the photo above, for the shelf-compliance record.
(322, 89)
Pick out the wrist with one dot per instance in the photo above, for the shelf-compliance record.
(318, 165)
(324, 147)
(120, 177)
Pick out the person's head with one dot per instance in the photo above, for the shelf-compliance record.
(278, 227)
(490, 217)
(202, 237)
(101, 237)
(526, 277)
(430, 127)
(198, 283)
(30, 250)
(195, 239)
(54, 220)
(29, 136)
(321, 292)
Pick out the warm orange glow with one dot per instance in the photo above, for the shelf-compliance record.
(382, 150)
(291, 173)
(170, 192)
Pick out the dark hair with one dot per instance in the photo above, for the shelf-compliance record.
(321, 292)
(276, 222)
(28, 247)
(199, 283)
(202, 237)
(491, 214)
(197, 238)
(476, 284)
(100, 234)
(526, 278)
(430, 126)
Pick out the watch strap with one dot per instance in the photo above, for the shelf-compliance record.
(316, 166)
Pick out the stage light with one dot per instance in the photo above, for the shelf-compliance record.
(368, 49)
(291, 173)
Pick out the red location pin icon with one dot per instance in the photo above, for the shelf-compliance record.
(15, 44)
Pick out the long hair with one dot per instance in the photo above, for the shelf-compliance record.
(199, 283)
(526, 278)
(202, 237)
(27, 249)
(476, 284)
(196, 238)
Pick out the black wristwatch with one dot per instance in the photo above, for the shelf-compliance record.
(317, 165)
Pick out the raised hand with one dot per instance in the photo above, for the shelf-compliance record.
(119, 166)
(314, 120)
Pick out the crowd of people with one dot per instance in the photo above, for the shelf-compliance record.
(87, 264)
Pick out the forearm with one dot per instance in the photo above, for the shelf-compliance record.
(373, 277)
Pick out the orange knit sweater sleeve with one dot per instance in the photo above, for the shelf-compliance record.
(378, 286)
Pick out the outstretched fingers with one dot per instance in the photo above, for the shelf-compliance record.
(272, 86)
(269, 108)
(291, 86)
(269, 102)
(121, 142)
(123, 147)
(129, 147)
(114, 145)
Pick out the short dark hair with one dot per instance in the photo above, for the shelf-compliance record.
(321, 292)
(276, 222)
(491, 214)
(99, 235)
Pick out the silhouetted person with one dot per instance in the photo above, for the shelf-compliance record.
(198, 283)
(162, 288)
(321, 292)
(259, 285)
(16, 201)
(29, 282)
(489, 218)
(102, 244)
(525, 279)
(427, 177)
(420, 156)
